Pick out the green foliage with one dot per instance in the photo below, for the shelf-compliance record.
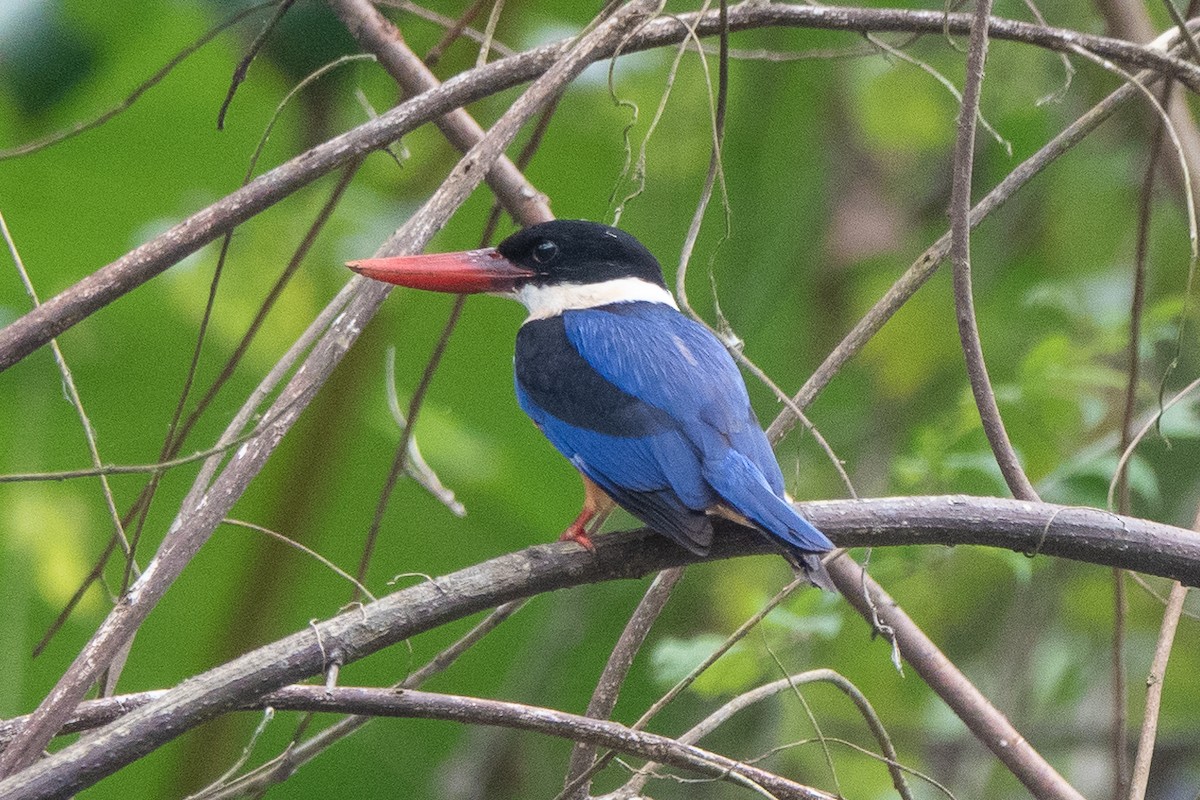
(837, 174)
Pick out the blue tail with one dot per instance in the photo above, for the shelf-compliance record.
(743, 486)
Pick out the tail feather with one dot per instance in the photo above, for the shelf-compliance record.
(810, 564)
(744, 488)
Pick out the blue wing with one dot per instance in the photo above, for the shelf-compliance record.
(650, 406)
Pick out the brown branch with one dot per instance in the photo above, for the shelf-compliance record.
(369, 703)
(239, 72)
(1154, 687)
(1140, 775)
(960, 258)
(204, 509)
(108, 283)
(928, 262)
(1080, 533)
(984, 720)
(608, 688)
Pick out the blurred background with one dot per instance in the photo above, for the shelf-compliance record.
(837, 173)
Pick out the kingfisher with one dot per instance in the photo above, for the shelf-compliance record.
(645, 402)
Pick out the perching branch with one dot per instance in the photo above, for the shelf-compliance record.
(1078, 533)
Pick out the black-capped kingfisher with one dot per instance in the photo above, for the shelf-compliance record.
(646, 403)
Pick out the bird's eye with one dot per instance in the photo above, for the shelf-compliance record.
(545, 252)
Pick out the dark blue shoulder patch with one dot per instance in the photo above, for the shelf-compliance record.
(559, 381)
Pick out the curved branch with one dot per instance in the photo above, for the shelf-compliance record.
(412, 704)
(1079, 533)
(768, 690)
(960, 258)
(37, 327)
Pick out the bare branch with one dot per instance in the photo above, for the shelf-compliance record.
(608, 688)
(1140, 775)
(984, 719)
(108, 283)
(960, 257)
(1154, 683)
(1081, 533)
(413, 704)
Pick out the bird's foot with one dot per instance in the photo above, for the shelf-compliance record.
(576, 533)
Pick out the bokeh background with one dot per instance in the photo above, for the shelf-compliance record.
(837, 176)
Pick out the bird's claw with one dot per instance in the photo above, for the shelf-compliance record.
(576, 534)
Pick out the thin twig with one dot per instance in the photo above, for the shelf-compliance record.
(239, 73)
(960, 257)
(1154, 687)
(608, 688)
(308, 551)
(415, 465)
(927, 264)
(454, 28)
(142, 88)
(859, 749)
(489, 32)
(72, 392)
(760, 693)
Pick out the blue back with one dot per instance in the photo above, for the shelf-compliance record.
(649, 405)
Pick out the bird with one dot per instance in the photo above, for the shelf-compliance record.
(645, 402)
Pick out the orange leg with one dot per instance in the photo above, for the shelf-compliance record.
(596, 506)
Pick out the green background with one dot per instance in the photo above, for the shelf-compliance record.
(837, 172)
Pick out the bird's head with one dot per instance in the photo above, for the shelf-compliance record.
(550, 267)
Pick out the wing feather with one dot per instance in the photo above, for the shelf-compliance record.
(656, 413)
